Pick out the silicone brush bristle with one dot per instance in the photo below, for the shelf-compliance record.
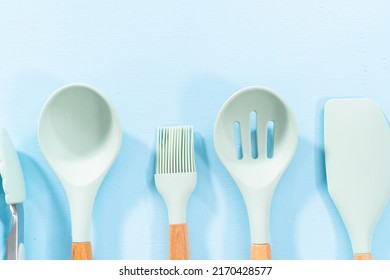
(175, 150)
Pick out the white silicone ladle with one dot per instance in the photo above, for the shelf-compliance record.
(254, 159)
(80, 136)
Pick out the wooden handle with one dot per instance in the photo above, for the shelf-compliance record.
(366, 256)
(178, 242)
(261, 252)
(81, 251)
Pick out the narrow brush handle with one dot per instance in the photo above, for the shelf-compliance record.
(261, 252)
(178, 242)
(81, 251)
(366, 256)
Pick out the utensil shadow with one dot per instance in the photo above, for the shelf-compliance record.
(201, 203)
(304, 186)
(126, 222)
(294, 234)
(46, 214)
(210, 216)
(380, 240)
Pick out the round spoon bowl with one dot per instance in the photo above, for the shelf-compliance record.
(79, 133)
(80, 136)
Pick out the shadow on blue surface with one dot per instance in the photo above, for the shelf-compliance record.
(212, 208)
(201, 204)
(125, 219)
(304, 181)
(47, 219)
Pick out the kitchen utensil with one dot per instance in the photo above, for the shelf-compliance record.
(255, 137)
(357, 155)
(80, 137)
(175, 179)
(15, 195)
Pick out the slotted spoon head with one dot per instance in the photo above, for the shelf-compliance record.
(258, 171)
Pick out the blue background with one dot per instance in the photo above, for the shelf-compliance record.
(175, 62)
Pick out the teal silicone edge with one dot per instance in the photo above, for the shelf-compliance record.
(11, 171)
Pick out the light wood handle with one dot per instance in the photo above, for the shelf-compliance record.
(178, 242)
(366, 256)
(261, 252)
(81, 251)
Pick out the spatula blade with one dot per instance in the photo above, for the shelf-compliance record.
(357, 155)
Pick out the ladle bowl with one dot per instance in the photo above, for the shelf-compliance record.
(80, 137)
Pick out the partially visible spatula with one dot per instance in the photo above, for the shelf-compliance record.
(15, 194)
(357, 155)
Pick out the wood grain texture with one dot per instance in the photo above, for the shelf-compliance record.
(81, 251)
(261, 252)
(366, 256)
(178, 242)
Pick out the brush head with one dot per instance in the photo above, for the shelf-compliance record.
(175, 176)
(175, 150)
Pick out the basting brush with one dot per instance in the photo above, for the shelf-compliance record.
(175, 179)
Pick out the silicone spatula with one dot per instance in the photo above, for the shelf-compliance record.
(357, 155)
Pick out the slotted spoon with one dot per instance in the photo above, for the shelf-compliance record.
(256, 154)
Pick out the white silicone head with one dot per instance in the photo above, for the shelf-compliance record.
(256, 175)
(357, 153)
(11, 171)
(80, 136)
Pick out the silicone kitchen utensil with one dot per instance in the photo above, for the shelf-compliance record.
(15, 195)
(255, 137)
(80, 136)
(357, 155)
(175, 179)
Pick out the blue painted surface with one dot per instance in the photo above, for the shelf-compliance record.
(176, 62)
